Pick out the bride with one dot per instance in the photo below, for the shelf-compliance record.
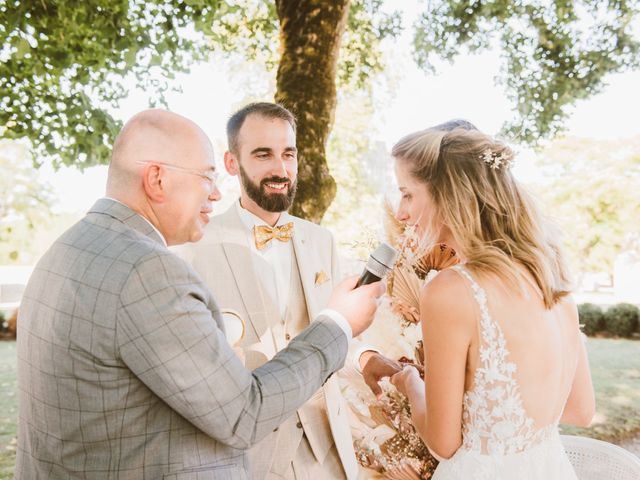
(505, 359)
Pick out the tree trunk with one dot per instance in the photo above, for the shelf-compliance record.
(310, 36)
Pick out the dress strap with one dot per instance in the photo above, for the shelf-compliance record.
(478, 292)
(491, 335)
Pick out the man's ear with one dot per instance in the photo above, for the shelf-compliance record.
(231, 163)
(153, 182)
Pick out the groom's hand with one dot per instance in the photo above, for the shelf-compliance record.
(376, 367)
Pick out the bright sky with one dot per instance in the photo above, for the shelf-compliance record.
(465, 89)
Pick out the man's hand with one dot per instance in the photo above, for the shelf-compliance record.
(357, 305)
(376, 367)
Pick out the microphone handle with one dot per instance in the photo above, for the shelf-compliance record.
(366, 278)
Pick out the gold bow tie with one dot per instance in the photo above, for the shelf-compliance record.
(263, 234)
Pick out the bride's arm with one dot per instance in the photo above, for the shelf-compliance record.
(581, 404)
(448, 322)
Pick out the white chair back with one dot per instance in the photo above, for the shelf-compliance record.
(597, 460)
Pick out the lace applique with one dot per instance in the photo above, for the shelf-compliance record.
(493, 417)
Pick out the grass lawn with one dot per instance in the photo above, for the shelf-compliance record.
(615, 367)
(8, 408)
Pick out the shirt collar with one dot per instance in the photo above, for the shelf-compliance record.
(144, 218)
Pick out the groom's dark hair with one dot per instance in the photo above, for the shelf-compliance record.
(264, 109)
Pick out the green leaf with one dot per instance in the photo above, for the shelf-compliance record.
(130, 57)
(22, 48)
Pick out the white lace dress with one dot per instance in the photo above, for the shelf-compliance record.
(500, 440)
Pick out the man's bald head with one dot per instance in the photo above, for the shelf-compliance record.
(153, 135)
(162, 168)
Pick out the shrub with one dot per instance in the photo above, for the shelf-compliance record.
(622, 319)
(12, 324)
(592, 317)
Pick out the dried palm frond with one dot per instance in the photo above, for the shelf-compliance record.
(408, 314)
(437, 257)
(403, 287)
(409, 276)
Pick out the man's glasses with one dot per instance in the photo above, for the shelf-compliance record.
(210, 175)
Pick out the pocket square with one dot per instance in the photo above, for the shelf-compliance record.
(321, 277)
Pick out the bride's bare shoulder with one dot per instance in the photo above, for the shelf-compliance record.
(568, 308)
(448, 295)
(445, 282)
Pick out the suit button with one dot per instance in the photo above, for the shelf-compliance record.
(287, 337)
(299, 424)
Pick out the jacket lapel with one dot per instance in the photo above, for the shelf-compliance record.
(307, 265)
(237, 250)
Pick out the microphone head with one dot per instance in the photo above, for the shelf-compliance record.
(382, 260)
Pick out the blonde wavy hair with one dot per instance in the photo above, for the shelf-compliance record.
(494, 221)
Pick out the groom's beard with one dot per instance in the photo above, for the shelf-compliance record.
(270, 202)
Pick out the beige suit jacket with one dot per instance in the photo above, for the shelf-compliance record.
(223, 260)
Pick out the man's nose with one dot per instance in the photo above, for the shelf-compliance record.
(215, 193)
(279, 168)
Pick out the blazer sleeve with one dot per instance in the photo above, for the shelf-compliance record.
(168, 337)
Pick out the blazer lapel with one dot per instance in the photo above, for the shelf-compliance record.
(237, 250)
(307, 265)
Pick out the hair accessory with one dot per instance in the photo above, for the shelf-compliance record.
(496, 160)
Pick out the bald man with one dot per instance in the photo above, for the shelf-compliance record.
(123, 368)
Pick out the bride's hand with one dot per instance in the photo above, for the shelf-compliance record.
(407, 380)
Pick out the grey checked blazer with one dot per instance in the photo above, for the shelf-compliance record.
(124, 371)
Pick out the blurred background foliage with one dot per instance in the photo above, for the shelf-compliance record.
(63, 63)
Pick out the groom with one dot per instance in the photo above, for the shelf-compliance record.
(277, 272)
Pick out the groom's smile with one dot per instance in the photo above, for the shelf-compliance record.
(277, 186)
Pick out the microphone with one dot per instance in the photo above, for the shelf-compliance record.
(381, 262)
